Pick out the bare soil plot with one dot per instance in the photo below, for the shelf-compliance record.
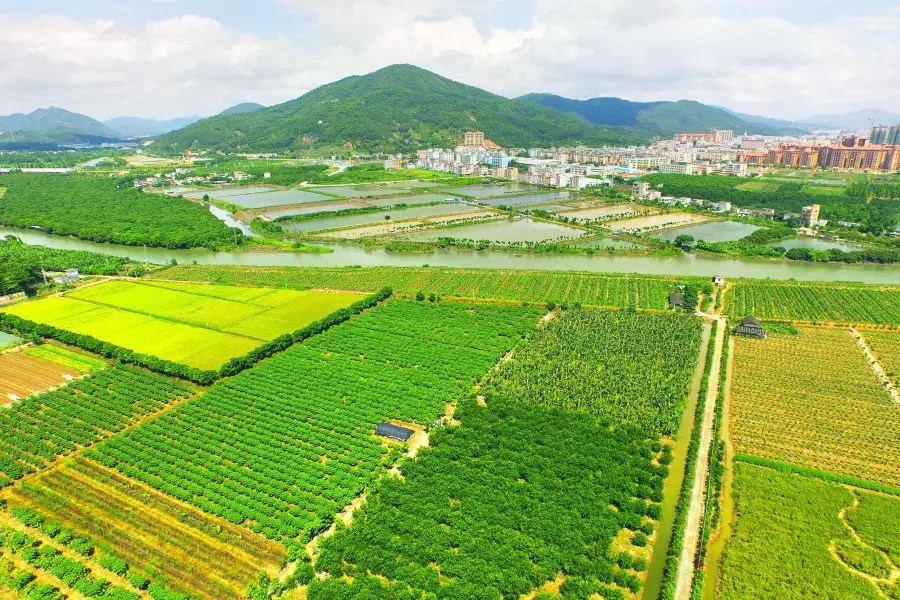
(22, 375)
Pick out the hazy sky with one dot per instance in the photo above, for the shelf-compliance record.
(167, 58)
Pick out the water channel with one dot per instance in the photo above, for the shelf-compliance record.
(687, 264)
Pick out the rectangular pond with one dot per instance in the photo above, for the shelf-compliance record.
(428, 210)
(528, 199)
(815, 244)
(505, 230)
(490, 191)
(711, 231)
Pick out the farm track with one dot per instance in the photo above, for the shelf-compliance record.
(90, 562)
(701, 472)
(876, 366)
(895, 570)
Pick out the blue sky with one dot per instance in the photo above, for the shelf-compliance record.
(164, 58)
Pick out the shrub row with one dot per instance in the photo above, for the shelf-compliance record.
(24, 327)
(673, 553)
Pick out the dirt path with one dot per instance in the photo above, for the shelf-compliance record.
(701, 471)
(876, 366)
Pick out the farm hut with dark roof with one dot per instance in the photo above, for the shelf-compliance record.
(394, 431)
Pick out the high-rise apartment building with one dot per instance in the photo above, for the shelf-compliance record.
(882, 134)
(722, 136)
(474, 139)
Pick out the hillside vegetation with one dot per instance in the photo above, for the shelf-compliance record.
(398, 107)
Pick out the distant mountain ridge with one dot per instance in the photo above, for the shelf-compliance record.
(53, 118)
(400, 107)
(140, 127)
(858, 119)
(662, 118)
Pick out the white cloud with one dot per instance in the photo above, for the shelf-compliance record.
(654, 49)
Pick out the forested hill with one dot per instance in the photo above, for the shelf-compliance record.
(655, 118)
(398, 107)
(53, 119)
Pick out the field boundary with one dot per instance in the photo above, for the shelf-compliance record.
(784, 467)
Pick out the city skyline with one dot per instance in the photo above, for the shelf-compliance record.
(161, 59)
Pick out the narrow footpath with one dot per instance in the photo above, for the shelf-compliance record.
(701, 472)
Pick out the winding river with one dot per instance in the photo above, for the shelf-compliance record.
(601, 262)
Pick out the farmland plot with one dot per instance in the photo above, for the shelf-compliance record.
(284, 446)
(495, 508)
(22, 375)
(813, 401)
(618, 366)
(589, 289)
(807, 302)
(794, 539)
(36, 431)
(886, 346)
(196, 325)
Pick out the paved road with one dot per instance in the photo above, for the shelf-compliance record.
(701, 471)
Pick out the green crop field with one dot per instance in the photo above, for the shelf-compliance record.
(515, 497)
(589, 289)
(67, 358)
(616, 365)
(832, 414)
(815, 302)
(284, 446)
(196, 325)
(794, 538)
(886, 346)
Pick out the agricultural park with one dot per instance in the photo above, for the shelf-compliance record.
(214, 433)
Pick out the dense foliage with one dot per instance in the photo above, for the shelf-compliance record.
(93, 208)
(320, 402)
(21, 264)
(37, 430)
(502, 504)
(833, 413)
(842, 303)
(588, 289)
(398, 107)
(785, 527)
(616, 365)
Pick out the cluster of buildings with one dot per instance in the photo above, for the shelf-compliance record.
(177, 177)
(852, 153)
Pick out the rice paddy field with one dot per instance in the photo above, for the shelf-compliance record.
(199, 326)
(812, 400)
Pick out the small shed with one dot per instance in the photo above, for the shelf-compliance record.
(751, 327)
(676, 301)
(719, 280)
(394, 431)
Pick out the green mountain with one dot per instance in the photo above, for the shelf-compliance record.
(656, 118)
(47, 119)
(242, 108)
(396, 108)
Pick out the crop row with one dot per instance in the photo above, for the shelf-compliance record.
(284, 446)
(804, 302)
(832, 414)
(39, 429)
(619, 366)
(590, 289)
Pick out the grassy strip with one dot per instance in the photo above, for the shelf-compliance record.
(234, 366)
(712, 513)
(673, 555)
(816, 474)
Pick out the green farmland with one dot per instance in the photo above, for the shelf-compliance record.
(196, 325)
